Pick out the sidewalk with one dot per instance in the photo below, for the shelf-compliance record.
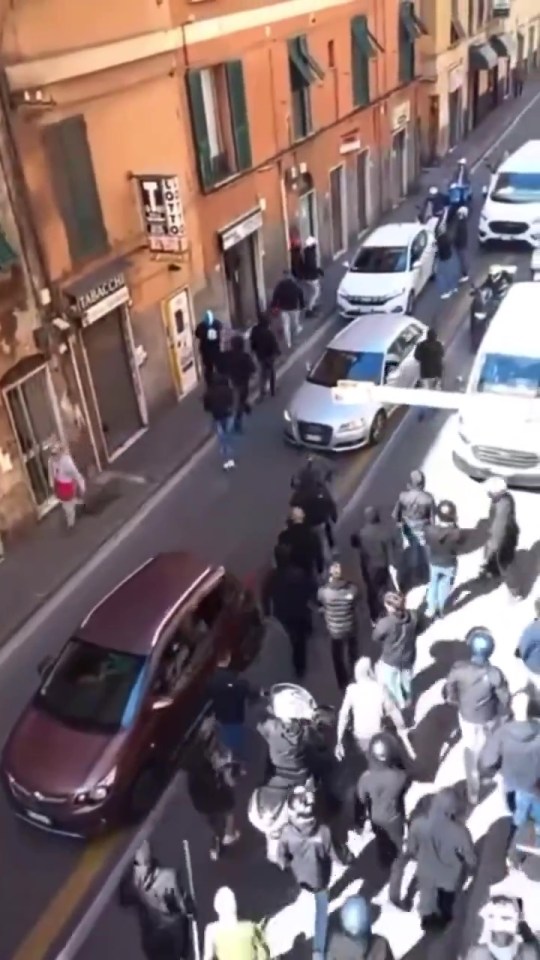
(38, 566)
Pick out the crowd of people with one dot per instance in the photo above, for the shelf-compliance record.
(329, 774)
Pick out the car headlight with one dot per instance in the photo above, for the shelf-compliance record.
(286, 416)
(352, 426)
(342, 296)
(99, 792)
(397, 293)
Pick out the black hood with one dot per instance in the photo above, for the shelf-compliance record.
(237, 344)
(444, 806)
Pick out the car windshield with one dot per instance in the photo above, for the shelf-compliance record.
(517, 188)
(515, 376)
(380, 260)
(93, 688)
(335, 365)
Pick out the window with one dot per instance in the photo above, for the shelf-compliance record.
(509, 375)
(364, 47)
(380, 260)
(303, 70)
(480, 13)
(72, 173)
(410, 28)
(470, 17)
(418, 246)
(457, 30)
(335, 365)
(93, 688)
(517, 188)
(219, 121)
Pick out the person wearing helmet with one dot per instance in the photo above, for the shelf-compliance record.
(443, 538)
(396, 633)
(164, 909)
(366, 705)
(312, 275)
(443, 849)
(497, 281)
(414, 511)
(381, 794)
(502, 535)
(480, 693)
(502, 937)
(460, 240)
(435, 204)
(355, 939)
(514, 749)
(208, 334)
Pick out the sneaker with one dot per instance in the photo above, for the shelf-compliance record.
(446, 296)
(231, 838)
(464, 278)
(215, 852)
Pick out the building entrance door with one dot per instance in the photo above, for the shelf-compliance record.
(36, 426)
(179, 320)
(337, 209)
(399, 157)
(242, 285)
(362, 193)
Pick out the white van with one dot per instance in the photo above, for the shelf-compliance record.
(499, 437)
(511, 209)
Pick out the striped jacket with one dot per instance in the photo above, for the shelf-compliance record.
(338, 600)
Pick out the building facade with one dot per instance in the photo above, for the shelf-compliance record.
(169, 153)
(468, 59)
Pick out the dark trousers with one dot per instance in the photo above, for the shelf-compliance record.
(436, 906)
(241, 406)
(344, 657)
(377, 582)
(298, 630)
(389, 837)
(210, 364)
(267, 377)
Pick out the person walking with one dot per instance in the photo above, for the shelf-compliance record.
(518, 80)
(395, 633)
(304, 545)
(312, 274)
(480, 693)
(230, 695)
(378, 549)
(218, 401)
(460, 241)
(444, 852)
(504, 935)
(311, 493)
(210, 785)
(265, 348)
(446, 275)
(239, 368)
(286, 595)
(528, 651)
(502, 536)
(66, 482)
(208, 333)
(429, 354)
(381, 793)
(443, 538)
(355, 939)
(228, 937)
(339, 599)
(365, 707)
(288, 300)
(414, 510)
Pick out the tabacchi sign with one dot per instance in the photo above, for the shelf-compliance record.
(163, 212)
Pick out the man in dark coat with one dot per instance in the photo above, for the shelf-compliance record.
(239, 367)
(429, 354)
(312, 275)
(396, 634)
(288, 299)
(313, 496)
(414, 510)
(265, 348)
(218, 401)
(208, 334)
(503, 533)
(304, 545)
(460, 241)
(378, 548)
(286, 595)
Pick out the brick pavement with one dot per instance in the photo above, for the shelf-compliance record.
(36, 567)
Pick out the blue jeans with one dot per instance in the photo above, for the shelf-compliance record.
(441, 581)
(320, 932)
(446, 276)
(463, 261)
(414, 540)
(397, 682)
(526, 808)
(224, 433)
(233, 737)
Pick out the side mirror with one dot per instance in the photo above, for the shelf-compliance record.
(485, 191)
(162, 703)
(45, 666)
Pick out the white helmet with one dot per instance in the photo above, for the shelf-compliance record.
(462, 213)
(494, 486)
(433, 191)
(291, 702)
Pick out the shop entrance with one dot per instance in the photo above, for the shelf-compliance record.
(362, 192)
(36, 424)
(337, 210)
(242, 283)
(115, 379)
(455, 110)
(307, 215)
(399, 163)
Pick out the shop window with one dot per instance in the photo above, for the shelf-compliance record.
(364, 47)
(303, 71)
(74, 181)
(219, 121)
(457, 30)
(410, 28)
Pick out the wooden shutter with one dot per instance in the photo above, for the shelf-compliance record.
(74, 180)
(360, 52)
(239, 115)
(199, 127)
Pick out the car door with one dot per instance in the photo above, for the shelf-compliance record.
(401, 369)
(420, 261)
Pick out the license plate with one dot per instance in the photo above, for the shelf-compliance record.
(38, 818)
(313, 438)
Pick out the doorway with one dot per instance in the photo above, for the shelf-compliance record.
(179, 323)
(337, 210)
(454, 117)
(362, 192)
(399, 157)
(115, 381)
(307, 216)
(433, 129)
(36, 423)
(241, 265)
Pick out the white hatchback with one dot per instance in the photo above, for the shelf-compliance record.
(388, 271)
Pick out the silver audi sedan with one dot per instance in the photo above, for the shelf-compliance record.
(377, 348)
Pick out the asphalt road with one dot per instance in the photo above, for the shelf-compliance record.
(233, 520)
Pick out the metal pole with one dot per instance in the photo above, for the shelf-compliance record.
(191, 888)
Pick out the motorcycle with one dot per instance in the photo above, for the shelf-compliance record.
(485, 300)
(268, 807)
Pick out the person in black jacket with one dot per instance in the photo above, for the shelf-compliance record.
(396, 633)
(381, 791)
(378, 549)
(304, 545)
(503, 533)
(218, 401)
(312, 275)
(286, 595)
(239, 367)
(265, 348)
(446, 276)
(460, 241)
(312, 495)
(210, 784)
(414, 510)
(429, 354)
(288, 299)
(208, 334)
(443, 538)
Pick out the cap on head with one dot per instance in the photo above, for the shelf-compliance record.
(417, 480)
(225, 903)
(494, 486)
(481, 643)
(446, 511)
(433, 191)
(355, 917)
(462, 213)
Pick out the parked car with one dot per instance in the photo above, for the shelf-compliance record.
(115, 707)
(389, 271)
(375, 349)
(511, 210)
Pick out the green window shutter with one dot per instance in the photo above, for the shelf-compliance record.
(239, 115)
(361, 51)
(300, 73)
(199, 128)
(74, 180)
(315, 67)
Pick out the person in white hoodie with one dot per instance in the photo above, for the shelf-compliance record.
(365, 705)
(67, 482)
(228, 937)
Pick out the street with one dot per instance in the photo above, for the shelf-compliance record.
(233, 519)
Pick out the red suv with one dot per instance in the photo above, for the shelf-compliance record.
(114, 709)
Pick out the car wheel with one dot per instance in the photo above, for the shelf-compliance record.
(410, 304)
(377, 428)
(144, 794)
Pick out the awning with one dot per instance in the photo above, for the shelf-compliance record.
(482, 56)
(411, 23)
(8, 257)
(367, 44)
(503, 44)
(304, 67)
